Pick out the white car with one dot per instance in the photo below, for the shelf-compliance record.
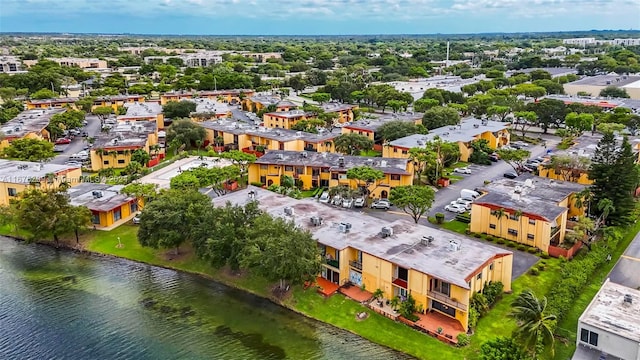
(456, 208)
(136, 219)
(381, 204)
(337, 200)
(347, 203)
(324, 198)
(464, 202)
(359, 202)
(462, 170)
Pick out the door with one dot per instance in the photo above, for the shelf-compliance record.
(443, 308)
(355, 277)
(384, 194)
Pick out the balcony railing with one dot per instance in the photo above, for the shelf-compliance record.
(356, 264)
(443, 298)
(333, 263)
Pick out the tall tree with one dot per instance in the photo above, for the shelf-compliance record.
(569, 167)
(444, 153)
(397, 129)
(440, 116)
(178, 109)
(144, 192)
(103, 113)
(185, 133)
(413, 199)
(352, 143)
(29, 150)
(524, 120)
(365, 176)
(514, 157)
(535, 325)
(579, 122)
(551, 112)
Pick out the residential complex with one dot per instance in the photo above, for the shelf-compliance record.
(529, 210)
(228, 96)
(605, 103)
(285, 119)
(113, 101)
(609, 328)
(324, 169)
(592, 85)
(234, 135)
(144, 111)
(583, 147)
(83, 63)
(114, 149)
(208, 109)
(16, 176)
(469, 130)
(439, 269)
(107, 205)
(258, 102)
(194, 59)
(368, 127)
(30, 124)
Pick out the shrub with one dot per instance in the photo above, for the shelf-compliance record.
(493, 291)
(500, 241)
(540, 267)
(439, 218)
(545, 255)
(534, 271)
(477, 236)
(257, 183)
(511, 244)
(473, 317)
(522, 247)
(480, 303)
(532, 250)
(463, 339)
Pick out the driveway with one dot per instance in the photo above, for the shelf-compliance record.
(78, 143)
(627, 270)
(480, 173)
(238, 114)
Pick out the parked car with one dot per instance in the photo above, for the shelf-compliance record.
(465, 202)
(85, 134)
(136, 219)
(347, 203)
(494, 157)
(85, 123)
(381, 204)
(462, 170)
(468, 194)
(337, 200)
(511, 175)
(522, 144)
(359, 202)
(324, 198)
(456, 208)
(63, 141)
(58, 149)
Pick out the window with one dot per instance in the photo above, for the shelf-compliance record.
(264, 167)
(133, 207)
(334, 176)
(12, 191)
(513, 217)
(479, 276)
(492, 226)
(513, 232)
(95, 218)
(584, 335)
(288, 168)
(491, 266)
(530, 237)
(590, 337)
(121, 161)
(324, 170)
(532, 221)
(395, 150)
(263, 179)
(117, 215)
(395, 177)
(106, 162)
(593, 338)
(405, 152)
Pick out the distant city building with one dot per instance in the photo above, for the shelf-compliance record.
(592, 41)
(10, 64)
(196, 59)
(592, 85)
(83, 63)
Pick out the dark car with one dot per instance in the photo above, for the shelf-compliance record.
(494, 157)
(511, 174)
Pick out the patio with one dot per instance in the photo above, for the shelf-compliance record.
(384, 310)
(356, 293)
(431, 321)
(326, 287)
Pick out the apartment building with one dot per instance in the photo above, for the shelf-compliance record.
(440, 270)
(285, 119)
(10, 64)
(143, 111)
(344, 111)
(190, 59)
(592, 85)
(234, 135)
(583, 146)
(228, 96)
(30, 124)
(609, 328)
(258, 102)
(315, 169)
(368, 127)
(529, 210)
(16, 176)
(114, 101)
(108, 206)
(262, 57)
(83, 63)
(207, 109)
(114, 149)
(471, 129)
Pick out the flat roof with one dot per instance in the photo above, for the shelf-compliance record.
(606, 80)
(533, 195)
(141, 110)
(335, 107)
(111, 198)
(373, 124)
(29, 121)
(288, 114)
(468, 129)
(332, 161)
(283, 135)
(24, 172)
(209, 106)
(63, 100)
(126, 134)
(162, 178)
(598, 101)
(555, 72)
(209, 93)
(404, 248)
(265, 100)
(609, 311)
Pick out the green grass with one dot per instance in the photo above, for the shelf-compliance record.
(308, 193)
(370, 153)
(456, 226)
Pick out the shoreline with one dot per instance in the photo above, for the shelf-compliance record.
(219, 280)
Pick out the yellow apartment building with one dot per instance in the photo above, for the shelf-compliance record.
(285, 119)
(107, 205)
(59, 103)
(143, 111)
(529, 210)
(114, 149)
(440, 270)
(583, 147)
(344, 111)
(29, 124)
(16, 176)
(240, 136)
(257, 103)
(207, 109)
(496, 133)
(117, 101)
(368, 127)
(228, 96)
(315, 169)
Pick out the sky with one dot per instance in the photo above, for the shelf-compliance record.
(315, 17)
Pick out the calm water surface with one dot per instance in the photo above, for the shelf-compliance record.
(60, 305)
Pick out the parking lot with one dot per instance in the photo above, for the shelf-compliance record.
(78, 143)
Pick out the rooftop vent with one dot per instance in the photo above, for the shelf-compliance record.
(383, 163)
(454, 245)
(288, 211)
(341, 161)
(476, 125)
(445, 134)
(304, 154)
(426, 240)
(628, 298)
(97, 194)
(344, 227)
(23, 167)
(387, 231)
(280, 156)
(316, 220)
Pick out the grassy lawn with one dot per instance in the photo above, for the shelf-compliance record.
(456, 226)
(308, 193)
(370, 153)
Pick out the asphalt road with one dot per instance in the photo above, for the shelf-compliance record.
(627, 270)
(78, 143)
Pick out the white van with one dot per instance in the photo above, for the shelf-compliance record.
(467, 194)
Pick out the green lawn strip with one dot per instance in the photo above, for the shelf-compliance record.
(370, 153)
(455, 226)
(569, 324)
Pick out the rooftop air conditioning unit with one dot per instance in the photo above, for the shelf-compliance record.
(426, 240)
(288, 211)
(280, 156)
(341, 161)
(454, 245)
(304, 154)
(344, 227)
(97, 194)
(476, 125)
(628, 299)
(387, 231)
(316, 221)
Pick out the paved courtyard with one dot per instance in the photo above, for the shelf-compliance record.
(163, 176)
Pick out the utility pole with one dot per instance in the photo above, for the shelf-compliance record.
(215, 84)
(446, 63)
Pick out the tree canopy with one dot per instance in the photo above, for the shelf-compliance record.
(352, 143)
(28, 149)
(514, 157)
(439, 116)
(178, 109)
(185, 133)
(414, 200)
(398, 129)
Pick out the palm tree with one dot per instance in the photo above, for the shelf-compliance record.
(199, 144)
(583, 198)
(517, 215)
(605, 206)
(534, 324)
(499, 214)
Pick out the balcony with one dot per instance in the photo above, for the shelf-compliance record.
(443, 298)
(332, 263)
(400, 283)
(356, 264)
